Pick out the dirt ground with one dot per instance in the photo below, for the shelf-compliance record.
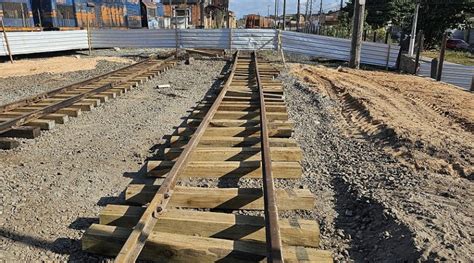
(427, 124)
(26, 67)
(392, 156)
(388, 158)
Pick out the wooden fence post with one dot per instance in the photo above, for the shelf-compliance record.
(419, 50)
(439, 70)
(6, 40)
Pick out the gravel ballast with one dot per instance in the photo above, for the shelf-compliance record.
(53, 187)
(369, 205)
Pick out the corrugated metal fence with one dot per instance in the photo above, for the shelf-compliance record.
(187, 38)
(37, 42)
(455, 74)
(338, 48)
(242, 39)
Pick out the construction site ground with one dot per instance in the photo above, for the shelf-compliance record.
(389, 157)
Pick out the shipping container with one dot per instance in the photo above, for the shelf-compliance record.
(16, 13)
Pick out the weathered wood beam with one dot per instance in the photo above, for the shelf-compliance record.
(279, 154)
(226, 169)
(27, 132)
(222, 198)
(295, 232)
(242, 115)
(218, 141)
(8, 144)
(166, 247)
(284, 132)
(239, 123)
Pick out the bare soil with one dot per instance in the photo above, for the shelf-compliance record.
(391, 158)
(426, 124)
(26, 67)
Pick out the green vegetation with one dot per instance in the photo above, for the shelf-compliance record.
(434, 17)
(459, 57)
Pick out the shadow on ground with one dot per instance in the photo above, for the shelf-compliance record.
(375, 235)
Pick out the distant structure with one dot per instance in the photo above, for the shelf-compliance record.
(199, 13)
(258, 21)
(31, 15)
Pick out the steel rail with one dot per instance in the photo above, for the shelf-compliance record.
(137, 239)
(20, 120)
(272, 229)
(36, 98)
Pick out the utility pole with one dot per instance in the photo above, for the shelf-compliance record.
(320, 22)
(201, 7)
(185, 14)
(411, 48)
(276, 13)
(340, 9)
(284, 15)
(298, 17)
(357, 29)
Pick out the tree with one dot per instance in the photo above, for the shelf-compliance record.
(435, 16)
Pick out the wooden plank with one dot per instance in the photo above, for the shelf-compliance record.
(27, 132)
(43, 124)
(243, 107)
(226, 169)
(282, 154)
(246, 115)
(167, 247)
(58, 118)
(218, 141)
(284, 132)
(8, 144)
(222, 198)
(72, 112)
(237, 123)
(295, 232)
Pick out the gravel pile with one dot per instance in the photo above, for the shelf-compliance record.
(52, 188)
(371, 207)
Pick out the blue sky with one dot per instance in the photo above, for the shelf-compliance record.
(244, 7)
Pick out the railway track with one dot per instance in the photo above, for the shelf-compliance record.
(243, 132)
(26, 118)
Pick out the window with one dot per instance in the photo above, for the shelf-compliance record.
(65, 11)
(15, 10)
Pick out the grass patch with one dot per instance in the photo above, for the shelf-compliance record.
(459, 57)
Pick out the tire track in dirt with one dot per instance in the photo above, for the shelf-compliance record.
(423, 136)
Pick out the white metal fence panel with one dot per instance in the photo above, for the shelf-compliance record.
(204, 38)
(338, 48)
(244, 39)
(455, 74)
(46, 41)
(136, 38)
(254, 39)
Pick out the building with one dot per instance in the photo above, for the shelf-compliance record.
(198, 13)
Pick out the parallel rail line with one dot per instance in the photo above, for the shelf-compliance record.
(25, 118)
(243, 132)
